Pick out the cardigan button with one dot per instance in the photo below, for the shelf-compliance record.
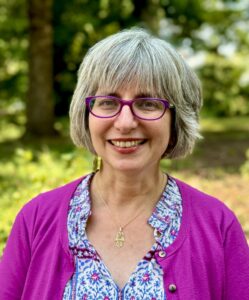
(172, 288)
(162, 253)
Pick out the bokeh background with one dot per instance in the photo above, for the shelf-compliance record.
(42, 43)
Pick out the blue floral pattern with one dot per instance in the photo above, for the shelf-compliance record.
(92, 280)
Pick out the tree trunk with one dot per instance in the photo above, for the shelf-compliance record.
(40, 107)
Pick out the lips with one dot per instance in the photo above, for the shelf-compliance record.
(127, 143)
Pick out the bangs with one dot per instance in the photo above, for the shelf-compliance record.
(126, 69)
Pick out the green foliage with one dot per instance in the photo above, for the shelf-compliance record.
(244, 169)
(225, 94)
(240, 125)
(13, 51)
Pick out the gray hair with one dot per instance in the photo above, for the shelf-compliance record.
(134, 58)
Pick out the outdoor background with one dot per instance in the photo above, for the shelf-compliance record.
(42, 43)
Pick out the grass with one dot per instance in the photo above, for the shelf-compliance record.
(30, 167)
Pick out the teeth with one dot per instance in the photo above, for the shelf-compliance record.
(128, 144)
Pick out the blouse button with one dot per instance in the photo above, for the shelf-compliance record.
(172, 288)
(162, 253)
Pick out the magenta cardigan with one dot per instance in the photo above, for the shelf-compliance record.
(209, 259)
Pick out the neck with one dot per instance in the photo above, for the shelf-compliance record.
(129, 191)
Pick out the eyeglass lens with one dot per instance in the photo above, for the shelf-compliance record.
(145, 108)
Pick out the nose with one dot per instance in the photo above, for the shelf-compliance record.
(125, 120)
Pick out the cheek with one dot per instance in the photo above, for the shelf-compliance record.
(95, 126)
(98, 128)
(90, 125)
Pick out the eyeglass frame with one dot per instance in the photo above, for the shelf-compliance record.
(128, 102)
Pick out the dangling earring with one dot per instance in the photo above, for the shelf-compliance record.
(97, 163)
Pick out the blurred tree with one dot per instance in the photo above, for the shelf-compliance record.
(13, 54)
(40, 114)
(225, 93)
(225, 72)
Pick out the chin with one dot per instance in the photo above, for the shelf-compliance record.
(124, 165)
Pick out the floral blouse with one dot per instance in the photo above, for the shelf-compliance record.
(91, 279)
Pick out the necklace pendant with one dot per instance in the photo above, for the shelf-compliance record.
(120, 238)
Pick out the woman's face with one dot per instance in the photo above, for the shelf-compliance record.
(126, 143)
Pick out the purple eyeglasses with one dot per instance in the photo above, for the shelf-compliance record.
(143, 108)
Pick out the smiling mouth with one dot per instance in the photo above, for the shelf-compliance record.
(127, 144)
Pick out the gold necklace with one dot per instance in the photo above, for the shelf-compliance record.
(120, 236)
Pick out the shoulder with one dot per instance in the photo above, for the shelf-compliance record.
(51, 203)
(44, 218)
(205, 210)
(200, 199)
(210, 220)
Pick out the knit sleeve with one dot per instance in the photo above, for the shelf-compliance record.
(14, 263)
(236, 263)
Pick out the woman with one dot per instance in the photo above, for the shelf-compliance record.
(128, 230)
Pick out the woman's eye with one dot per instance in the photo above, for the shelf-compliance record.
(148, 104)
(106, 103)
